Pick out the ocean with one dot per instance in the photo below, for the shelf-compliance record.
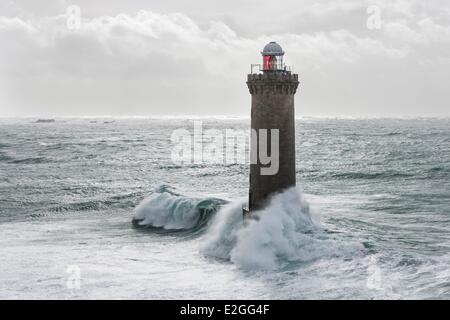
(97, 208)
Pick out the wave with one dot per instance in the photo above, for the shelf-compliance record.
(120, 201)
(4, 157)
(286, 231)
(166, 210)
(78, 206)
(439, 169)
(36, 160)
(371, 175)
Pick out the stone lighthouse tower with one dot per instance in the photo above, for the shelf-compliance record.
(272, 87)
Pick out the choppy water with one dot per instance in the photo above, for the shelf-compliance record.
(372, 221)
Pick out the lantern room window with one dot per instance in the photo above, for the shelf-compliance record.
(270, 63)
(272, 60)
(272, 57)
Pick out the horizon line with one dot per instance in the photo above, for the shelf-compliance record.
(187, 116)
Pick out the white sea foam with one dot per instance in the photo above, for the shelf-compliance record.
(286, 231)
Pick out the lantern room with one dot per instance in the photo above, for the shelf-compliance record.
(272, 57)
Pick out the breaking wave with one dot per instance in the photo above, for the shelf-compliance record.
(286, 231)
(166, 210)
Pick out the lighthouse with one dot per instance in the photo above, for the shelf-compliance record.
(272, 86)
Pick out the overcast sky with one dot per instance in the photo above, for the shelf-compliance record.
(165, 57)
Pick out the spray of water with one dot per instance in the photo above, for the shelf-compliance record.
(286, 231)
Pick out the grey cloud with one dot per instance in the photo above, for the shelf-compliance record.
(195, 62)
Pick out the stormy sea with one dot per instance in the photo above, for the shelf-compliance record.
(97, 208)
